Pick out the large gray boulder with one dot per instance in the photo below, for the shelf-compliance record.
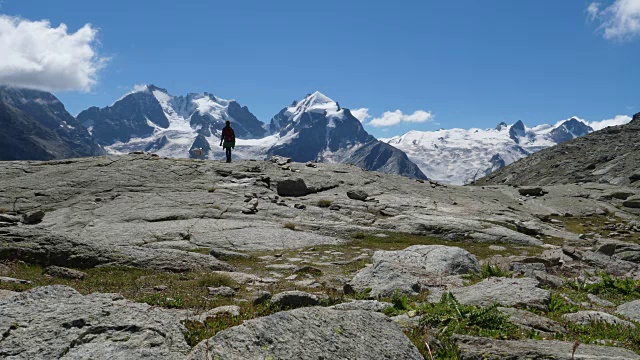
(367, 305)
(54, 322)
(508, 292)
(310, 333)
(480, 348)
(591, 317)
(630, 310)
(414, 269)
(618, 249)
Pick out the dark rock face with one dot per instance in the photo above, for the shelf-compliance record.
(610, 155)
(501, 126)
(517, 131)
(636, 118)
(568, 130)
(36, 126)
(246, 120)
(127, 118)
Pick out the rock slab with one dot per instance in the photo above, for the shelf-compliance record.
(56, 321)
(477, 348)
(311, 333)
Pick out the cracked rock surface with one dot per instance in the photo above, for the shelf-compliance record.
(57, 322)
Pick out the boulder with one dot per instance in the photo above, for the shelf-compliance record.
(507, 292)
(436, 259)
(414, 270)
(591, 317)
(310, 333)
(221, 291)
(294, 299)
(481, 348)
(367, 305)
(10, 280)
(618, 249)
(357, 195)
(596, 300)
(531, 191)
(34, 217)
(630, 310)
(47, 322)
(65, 273)
(529, 321)
(292, 187)
(632, 202)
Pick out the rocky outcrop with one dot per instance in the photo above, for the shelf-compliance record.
(476, 348)
(587, 318)
(325, 333)
(506, 292)
(414, 270)
(630, 310)
(58, 322)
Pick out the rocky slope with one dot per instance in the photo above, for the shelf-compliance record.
(608, 156)
(460, 156)
(36, 126)
(240, 246)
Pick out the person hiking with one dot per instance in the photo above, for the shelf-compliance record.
(228, 140)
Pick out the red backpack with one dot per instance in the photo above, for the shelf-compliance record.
(228, 134)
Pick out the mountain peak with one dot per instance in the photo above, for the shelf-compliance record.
(318, 98)
(636, 118)
(501, 126)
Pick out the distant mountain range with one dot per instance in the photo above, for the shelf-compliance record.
(37, 127)
(313, 129)
(459, 156)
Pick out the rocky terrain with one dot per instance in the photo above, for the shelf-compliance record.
(140, 256)
(609, 156)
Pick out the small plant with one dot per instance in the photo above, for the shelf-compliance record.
(399, 301)
(489, 270)
(3, 210)
(215, 280)
(290, 226)
(211, 189)
(363, 295)
(324, 203)
(359, 235)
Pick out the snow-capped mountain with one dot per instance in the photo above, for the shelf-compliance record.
(151, 119)
(312, 129)
(459, 156)
(316, 128)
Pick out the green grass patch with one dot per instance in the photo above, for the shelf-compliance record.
(359, 235)
(183, 290)
(211, 189)
(289, 225)
(3, 210)
(324, 203)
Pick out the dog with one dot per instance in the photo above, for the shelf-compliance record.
(197, 153)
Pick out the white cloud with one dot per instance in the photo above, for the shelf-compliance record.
(361, 114)
(139, 87)
(37, 55)
(618, 120)
(619, 21)
(392, 118)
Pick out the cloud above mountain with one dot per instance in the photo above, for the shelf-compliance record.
(392, 118)
(361, 114)
(618, 21)
(618, 120)
(39, 56)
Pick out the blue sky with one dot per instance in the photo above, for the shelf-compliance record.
(467, 63)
